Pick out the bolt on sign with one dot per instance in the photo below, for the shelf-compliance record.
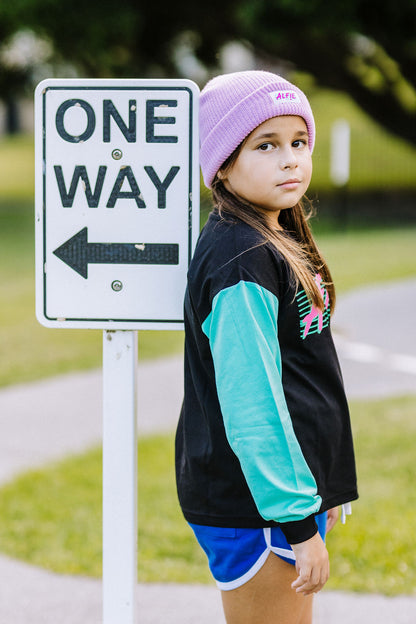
(117, 201)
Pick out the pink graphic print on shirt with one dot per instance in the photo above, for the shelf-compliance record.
(313, 319)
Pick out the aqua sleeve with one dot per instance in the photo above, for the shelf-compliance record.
(243, 335)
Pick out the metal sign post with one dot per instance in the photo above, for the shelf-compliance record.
(119, 476)
(340, 152)
(117, 219)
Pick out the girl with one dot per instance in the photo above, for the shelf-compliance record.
(264, 452)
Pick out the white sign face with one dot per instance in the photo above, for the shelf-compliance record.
(117, 201)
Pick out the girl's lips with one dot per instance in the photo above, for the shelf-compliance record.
(293, 183)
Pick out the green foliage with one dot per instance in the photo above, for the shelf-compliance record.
(52, 517)
(342, 45)
(102, 40)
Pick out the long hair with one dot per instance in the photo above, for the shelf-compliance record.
(295, 242)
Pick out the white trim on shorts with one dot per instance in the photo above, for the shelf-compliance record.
(247, 576)
(283, 552)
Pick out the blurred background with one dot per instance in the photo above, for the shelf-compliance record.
(355, 60)
(357, 66)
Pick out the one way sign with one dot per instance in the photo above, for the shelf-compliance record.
(117, 201)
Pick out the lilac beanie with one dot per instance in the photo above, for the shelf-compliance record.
(233, 105)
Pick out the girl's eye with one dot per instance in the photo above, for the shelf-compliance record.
(299, 143)
(265, 147)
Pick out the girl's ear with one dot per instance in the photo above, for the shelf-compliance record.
(220, 174)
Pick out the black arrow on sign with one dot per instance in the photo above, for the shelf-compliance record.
(78, 253)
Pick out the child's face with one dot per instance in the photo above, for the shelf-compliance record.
(274, 167)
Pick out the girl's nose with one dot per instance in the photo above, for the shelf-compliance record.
(287, 159)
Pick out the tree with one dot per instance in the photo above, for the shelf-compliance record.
(11, 78)
(367, 49)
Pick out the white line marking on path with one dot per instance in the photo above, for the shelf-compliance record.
(368, 354)
(403, 363)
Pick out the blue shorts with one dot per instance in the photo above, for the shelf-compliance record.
(236, 555)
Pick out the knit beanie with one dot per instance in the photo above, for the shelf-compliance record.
(233, 105)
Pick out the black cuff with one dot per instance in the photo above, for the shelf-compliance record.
(299, 530)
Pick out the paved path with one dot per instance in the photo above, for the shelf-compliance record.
(375, 334)
(43, 421)
(32, 596)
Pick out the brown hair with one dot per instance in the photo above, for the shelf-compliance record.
(295, 242)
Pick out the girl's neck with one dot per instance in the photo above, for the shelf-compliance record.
(272, 218)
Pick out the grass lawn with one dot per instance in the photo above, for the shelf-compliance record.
(375, 551)
(368, 256)
(378, 160)
(52, 517)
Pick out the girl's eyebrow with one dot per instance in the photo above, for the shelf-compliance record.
(271, 135)
(265, 135)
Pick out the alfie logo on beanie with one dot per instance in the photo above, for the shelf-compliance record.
(285, 96)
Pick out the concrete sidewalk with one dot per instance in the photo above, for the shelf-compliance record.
(47, 420)
(30, 595)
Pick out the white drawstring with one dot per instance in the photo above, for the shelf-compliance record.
(345, 511)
